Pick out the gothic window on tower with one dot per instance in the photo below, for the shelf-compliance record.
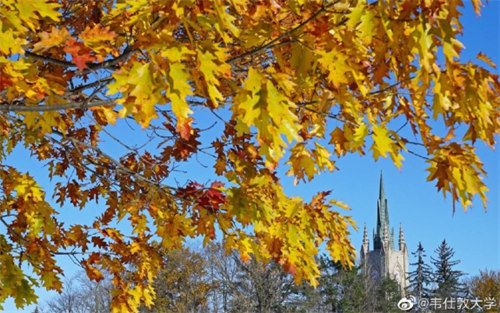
(396, 276)
(375, 275)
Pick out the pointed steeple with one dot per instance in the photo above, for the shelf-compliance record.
(402, 242)
(381, 192)
(385, 234)
(366, 242)
(382, 217)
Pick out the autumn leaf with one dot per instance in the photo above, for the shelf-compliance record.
(486, 59)
(211, 66)
(178, 91)
(79, 52)
(29, 11)
(11, 44)
(97, 34)
(54, 38)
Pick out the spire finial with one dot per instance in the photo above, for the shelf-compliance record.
(365, 237)
(381, 194)
(401, 237)
(385, 233)
(382, 216)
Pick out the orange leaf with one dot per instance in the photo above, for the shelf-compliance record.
(97, 34)
(483, 57)
(79, 52)
(52, 39)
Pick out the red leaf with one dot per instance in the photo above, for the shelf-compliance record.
(80, 53)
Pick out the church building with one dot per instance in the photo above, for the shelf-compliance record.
(383, 261)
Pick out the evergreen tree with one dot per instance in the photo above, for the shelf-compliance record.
(340, 290)
(387, 295)
(421, 277)
(445, 276)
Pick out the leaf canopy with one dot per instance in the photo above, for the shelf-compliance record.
(282, 77)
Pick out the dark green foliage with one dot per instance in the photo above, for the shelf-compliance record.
(341, 290)
(446, 278)
(421, 277)
(388, 296)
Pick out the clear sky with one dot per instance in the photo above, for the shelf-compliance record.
(425, 215)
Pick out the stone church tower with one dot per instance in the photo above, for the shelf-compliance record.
(384, 261)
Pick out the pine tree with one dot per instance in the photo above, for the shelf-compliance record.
(445, 276)
(387, 296)
(341, 290)
(421, 277)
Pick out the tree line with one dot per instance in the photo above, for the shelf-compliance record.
(212, 281)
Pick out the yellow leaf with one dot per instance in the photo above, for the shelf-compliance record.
(140, 83)
(211, 66)
(27, 188)
(354, 17)
(11, 43)
(358, 139)
(177, 91)
(28, 10)
(301, 162)
(176, 54)
(367, 26)
(381, 141)
(425, 46)
(280, 110)
(336, 64)
(322, 158)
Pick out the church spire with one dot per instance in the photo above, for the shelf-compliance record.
(381, 192)
(365, 238)
(382, 217)
(401, 237)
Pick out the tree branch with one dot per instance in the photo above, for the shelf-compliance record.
(48, 59)
(90, 66)
(7, 107)
(92, 84)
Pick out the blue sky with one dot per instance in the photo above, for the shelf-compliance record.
(425, 215)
